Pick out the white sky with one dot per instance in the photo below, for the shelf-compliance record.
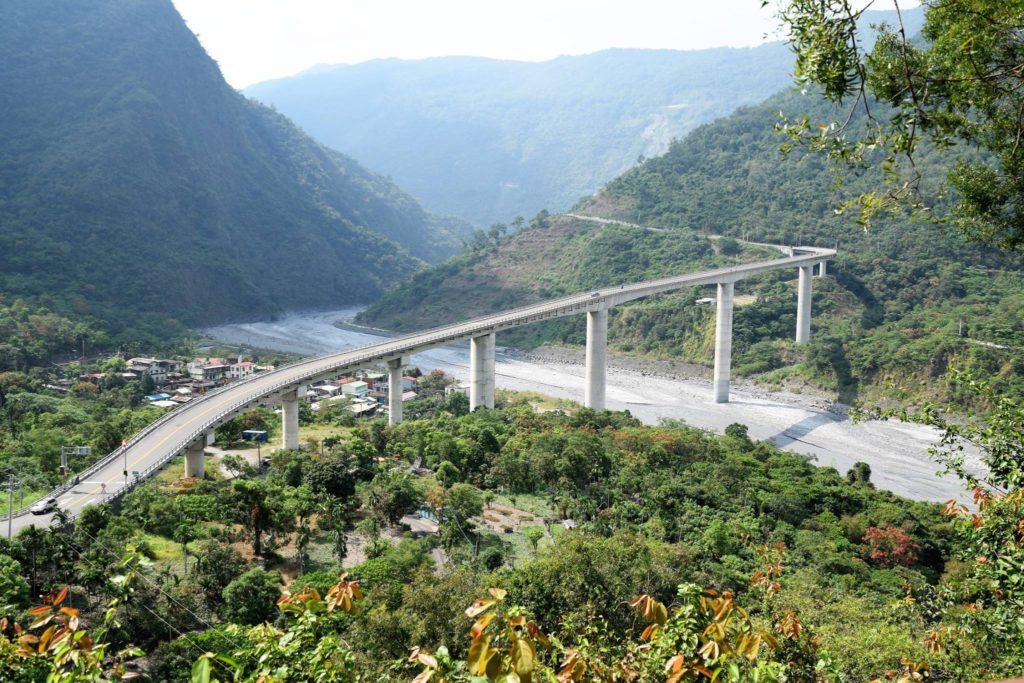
(256, 40)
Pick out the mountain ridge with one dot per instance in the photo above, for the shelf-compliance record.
(135, 180)
(488, 139)
(484, 138)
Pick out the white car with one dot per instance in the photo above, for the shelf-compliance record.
(44, 506)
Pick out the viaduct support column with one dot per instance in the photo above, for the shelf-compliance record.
(290, 420)
(481, 371)
(803, 305)
(195, 466)
(395, 389)
(723, 343)
(822, 268)
(597, 358)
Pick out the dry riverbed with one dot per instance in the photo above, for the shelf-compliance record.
(653, 390)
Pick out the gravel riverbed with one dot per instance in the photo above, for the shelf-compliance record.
(652, 390)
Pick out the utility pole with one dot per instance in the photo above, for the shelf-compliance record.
(11, 481)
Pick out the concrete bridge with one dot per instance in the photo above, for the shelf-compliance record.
(186, 429)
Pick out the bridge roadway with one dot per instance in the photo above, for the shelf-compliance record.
(187, 425)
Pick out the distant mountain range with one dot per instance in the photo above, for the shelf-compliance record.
(134, 181)
(487, 139)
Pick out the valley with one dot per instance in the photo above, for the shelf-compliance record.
(511, 343)
(814, 426)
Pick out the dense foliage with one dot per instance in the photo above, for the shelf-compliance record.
(957, 83)
(138, 184)
(812, 574)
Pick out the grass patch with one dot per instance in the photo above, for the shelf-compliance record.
(31, 496)
(163, 550)
(536, 505)
(538, 400)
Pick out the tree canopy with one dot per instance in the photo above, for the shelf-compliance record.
(957, 84)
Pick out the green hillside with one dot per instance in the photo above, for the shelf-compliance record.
(135, 181)
(887, 320)
(553, 256)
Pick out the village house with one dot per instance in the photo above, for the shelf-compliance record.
(241, 370)
(356, 388)
(456, 388)
(325, 390)
(408, 384)
(208, 369)
(155, 368)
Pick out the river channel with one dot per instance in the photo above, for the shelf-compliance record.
(896, 452)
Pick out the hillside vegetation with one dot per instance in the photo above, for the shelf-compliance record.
(552, 257)
(134, 181)
(849, 579)
(902, 302)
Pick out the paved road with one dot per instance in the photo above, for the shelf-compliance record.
(171, 434)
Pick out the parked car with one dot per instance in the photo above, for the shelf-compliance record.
(44, 506)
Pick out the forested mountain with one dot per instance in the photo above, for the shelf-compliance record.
(903, 300)
(135, 181)
(488, 139)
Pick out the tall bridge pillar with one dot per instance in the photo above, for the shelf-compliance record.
(395, 389)
(803, 305)
(481, 371)
(723, 342)
(195, 465)
(597, 358)
(823, 269)
(290, 420)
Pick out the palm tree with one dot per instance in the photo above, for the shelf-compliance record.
(184, 533)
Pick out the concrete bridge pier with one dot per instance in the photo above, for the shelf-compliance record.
(290, 420)
(481, 371)
(395, 389)
(195, 465)
(803, 304)
(597, 358)
(723, 343)
(823, 269)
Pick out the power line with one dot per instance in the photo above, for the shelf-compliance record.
(170, 626)
(160, 590)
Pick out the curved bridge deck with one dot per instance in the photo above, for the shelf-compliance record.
(182, 427)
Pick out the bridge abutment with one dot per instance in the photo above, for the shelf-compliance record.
(290, 420)
(723, 342)
(597, 358)
(481, 371)
(803, 304)
(195, 463)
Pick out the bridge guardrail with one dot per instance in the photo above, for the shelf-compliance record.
(396, 346)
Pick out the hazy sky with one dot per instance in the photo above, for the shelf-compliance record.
(255, 40)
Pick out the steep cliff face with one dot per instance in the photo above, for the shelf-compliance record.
(134, 179)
